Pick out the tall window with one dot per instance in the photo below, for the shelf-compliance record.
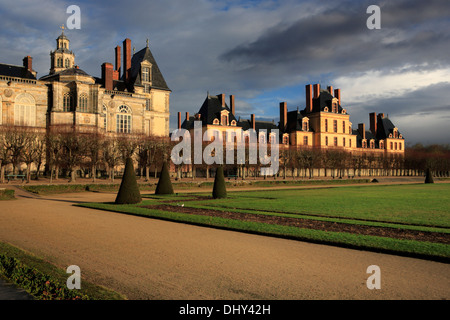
(343, 126)
(105, 117)
(381, 144)
(59, 63)
(334, 107)
(67, 63)
(286, 139)
(343, 142)
(335, 125)
(224, 120)
(67, 102)
(350, 143)
(326, 125)
(372, 144)
(24, 110)
(305, 126)
(1, 115)
(335, 141)
(305, 140)
(326, 141)
(147, 104)
(123, 120)
(273, 138)
(145, 74)
(83, 103)
(146, 88)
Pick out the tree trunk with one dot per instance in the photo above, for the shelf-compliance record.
(94, 173)
(28, 172)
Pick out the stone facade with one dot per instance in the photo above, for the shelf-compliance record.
(136, 102)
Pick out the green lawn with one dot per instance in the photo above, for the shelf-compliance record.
(427, 205)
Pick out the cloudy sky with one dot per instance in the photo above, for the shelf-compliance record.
(262, 51)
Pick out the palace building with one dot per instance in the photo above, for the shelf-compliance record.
(323, 124)
(130, 97)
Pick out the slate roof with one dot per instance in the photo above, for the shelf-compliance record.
(384, 128)
(158, 81)
(322, 101)
(295, 121)
(66, 72)
(211, 109)
(15, 71)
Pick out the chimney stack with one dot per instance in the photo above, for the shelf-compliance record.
(330, 89)
(309, 96)
(126, 59)
(232, 104)
(187, 116)
(179, 120)
(283, 116)
(222, 99)
(316, 90)
(107, 75)
(116, 73)
(362, 130)
(28, 63)
(373, 123)
(381, 115)
(253, 121)
(337, 94)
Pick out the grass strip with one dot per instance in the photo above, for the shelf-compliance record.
(45, 281)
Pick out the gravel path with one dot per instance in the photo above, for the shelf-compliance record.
(153, 259)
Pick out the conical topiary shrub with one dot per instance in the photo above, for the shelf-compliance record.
(164, 184)
(219, 189)
(429, 176)
(129, 190)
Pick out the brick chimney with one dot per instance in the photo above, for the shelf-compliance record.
(316, 90)
(330, 89)
(116, 73)
(28, 63)
(362, 130)
(373, 123)
(187, 116)
(126, 59)
(337, 94)
(179, 120)
(232, 104)
(283, 116)
(309, 96)
(107, 75)
(253, 121)
(222, 99)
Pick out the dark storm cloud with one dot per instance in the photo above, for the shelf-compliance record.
(337, 40)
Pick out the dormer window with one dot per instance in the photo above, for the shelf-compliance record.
(145, 74)
(285, 139)
(224, 120)
(305, 125)
(334, 107)
(216, 121)
(381, 144)
(372, 144)
(233, 123)
(344, 111)
(325, 109)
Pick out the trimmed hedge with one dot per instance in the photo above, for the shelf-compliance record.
(129, 190)
(219, 188)
(41, 286)
(164, 184)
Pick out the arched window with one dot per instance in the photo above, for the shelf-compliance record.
(233, 123)
(372, 144)
(381, 144)
(67, 63)
(123, 120)
(59, 63)
(67, 102)
(83, 103)
(25, 110)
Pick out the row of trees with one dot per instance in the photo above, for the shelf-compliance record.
(62, 151)
(65, 151)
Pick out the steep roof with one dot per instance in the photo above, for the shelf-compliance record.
(211, 109)
(15, 71)
(384, 128)
(66, 72)
(324, 100)
(158, 81)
